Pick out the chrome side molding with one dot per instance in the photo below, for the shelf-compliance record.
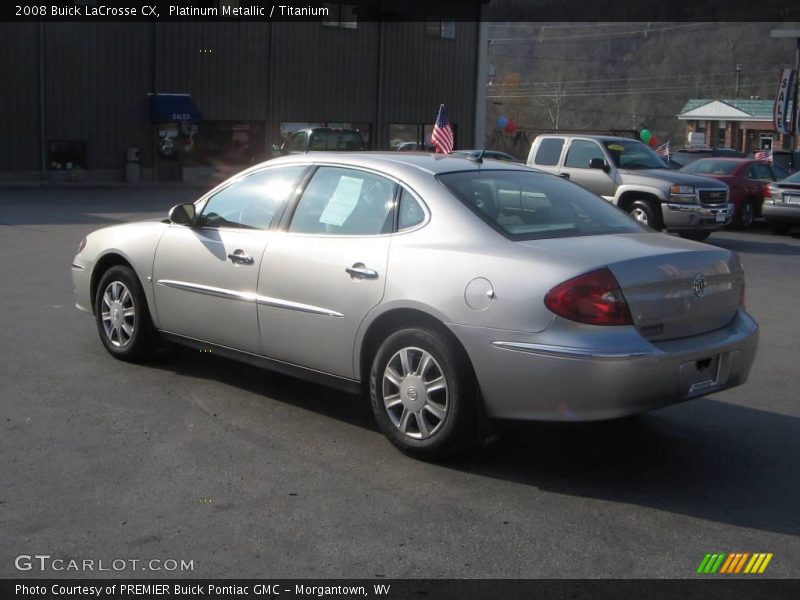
(250, 297)
(568, 351)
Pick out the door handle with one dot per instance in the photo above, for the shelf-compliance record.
(564, 175)
(240, 258)
(359, 271)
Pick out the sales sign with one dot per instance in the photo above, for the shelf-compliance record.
(781, 115)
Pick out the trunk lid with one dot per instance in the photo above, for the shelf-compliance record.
(674, 288)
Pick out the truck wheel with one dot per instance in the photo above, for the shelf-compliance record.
(647, 213)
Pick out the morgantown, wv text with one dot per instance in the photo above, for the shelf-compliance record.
(198, 590)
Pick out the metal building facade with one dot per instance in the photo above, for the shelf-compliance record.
(88, 83)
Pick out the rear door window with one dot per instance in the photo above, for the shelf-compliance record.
(549, 152)
(340, 201)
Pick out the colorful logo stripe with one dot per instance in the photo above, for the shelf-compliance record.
(734, 563)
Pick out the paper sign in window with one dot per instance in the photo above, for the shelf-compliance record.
(343, 202)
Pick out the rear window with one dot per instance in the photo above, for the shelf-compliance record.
(709, 166)
(529, 206)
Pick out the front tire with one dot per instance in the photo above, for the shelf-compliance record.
(121, 314)
(647, 213)
(746, 215)
(423, 394)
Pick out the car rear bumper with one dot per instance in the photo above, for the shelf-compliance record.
(782, 213)
(678, 216)
(522, 377)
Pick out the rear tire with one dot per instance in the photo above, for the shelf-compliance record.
(423, 394)
(697, 236)
(122, 316)
(647, 213)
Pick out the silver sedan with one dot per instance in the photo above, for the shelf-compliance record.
(447, 289)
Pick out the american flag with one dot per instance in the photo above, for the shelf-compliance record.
(442, 135)
(663, 151)
(765, 155)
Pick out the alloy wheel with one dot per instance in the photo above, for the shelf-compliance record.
(640, 215)
(415, 393)
(118, 314)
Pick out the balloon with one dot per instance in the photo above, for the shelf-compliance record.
(645, 135)
(510, 127)
(502, 122)
(653, 142)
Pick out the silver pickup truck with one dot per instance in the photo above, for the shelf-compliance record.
(629, 174)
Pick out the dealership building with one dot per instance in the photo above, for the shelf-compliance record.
(167, 101)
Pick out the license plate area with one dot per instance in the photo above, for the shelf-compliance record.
(791, 199)
(699, 376)
(721, 216)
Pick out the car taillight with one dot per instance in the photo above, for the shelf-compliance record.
(767, 191)
(81, 246)
(593, 298)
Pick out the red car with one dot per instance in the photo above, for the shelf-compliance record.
(746, 179)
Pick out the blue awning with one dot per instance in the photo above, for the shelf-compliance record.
(169, 108)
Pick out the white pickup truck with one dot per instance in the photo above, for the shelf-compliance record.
(629, 174)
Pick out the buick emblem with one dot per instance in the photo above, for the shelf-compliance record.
(699, 285)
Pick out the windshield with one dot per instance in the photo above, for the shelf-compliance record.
(795, 178)
(710, 166)
(630, 154)
(529, 206)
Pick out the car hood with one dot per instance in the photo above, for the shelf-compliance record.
(668, 176)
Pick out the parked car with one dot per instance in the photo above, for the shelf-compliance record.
(782, 204)
(746, 179)
(321, 139)
(445, 290)
(630, 175)
(415, 147)
(495, 154)
(685, 156)
(788, 160)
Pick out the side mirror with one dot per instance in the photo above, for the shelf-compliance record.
(598, 163)
(183, 214)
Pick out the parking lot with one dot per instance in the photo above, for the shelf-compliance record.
(252, 474)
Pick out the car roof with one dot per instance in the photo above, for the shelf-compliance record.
(728, 159)
(590, 136)
(427, 162)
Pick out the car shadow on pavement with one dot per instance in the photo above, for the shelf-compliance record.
(756, 247)
(331, 403)
(707, 459)
(710, 460)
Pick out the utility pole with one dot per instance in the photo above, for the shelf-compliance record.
(738, 70)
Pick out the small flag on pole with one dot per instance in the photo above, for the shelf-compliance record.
(442, 135)
(663, 151)
(765, 155)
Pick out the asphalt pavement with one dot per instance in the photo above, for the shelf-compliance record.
(245, 473)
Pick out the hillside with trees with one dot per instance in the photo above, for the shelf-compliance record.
(622, 76)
